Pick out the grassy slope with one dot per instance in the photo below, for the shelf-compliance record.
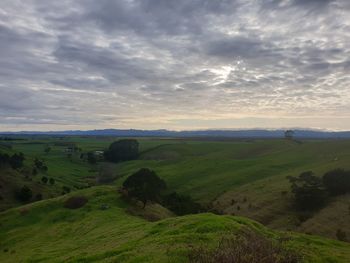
(47, 232)
(253, 174)
(251, 170)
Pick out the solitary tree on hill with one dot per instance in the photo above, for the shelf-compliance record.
(122, 150)
(289, 134)
(144, 185)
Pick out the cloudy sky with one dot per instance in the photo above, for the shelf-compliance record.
(184, 64)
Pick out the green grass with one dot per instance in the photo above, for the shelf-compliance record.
(45, 231)
(212, 171)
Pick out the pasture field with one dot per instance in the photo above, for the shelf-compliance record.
(45, 231)
(243, 177)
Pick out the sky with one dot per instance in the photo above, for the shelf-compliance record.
(180, 65)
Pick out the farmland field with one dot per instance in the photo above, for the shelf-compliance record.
(230, 177)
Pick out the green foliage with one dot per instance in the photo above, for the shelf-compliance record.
(24, 194)
(122, 150)
(44, 179)
(181, 204)
(91, 158)
(52, 181)
(66, 189)
(15, 161)
(144, 185)
(308, 190)
(337, 181)
(47, 149)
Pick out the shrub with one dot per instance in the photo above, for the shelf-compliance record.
(181, 204)
(66, 189)
(52, 181)
(24, 194)
(341, 235)
(16, 160)
(44, 179)
(91, 158)
(75, 202)
(245, 247)
(38, 197)
(337, 181)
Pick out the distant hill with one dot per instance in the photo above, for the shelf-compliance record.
(258, 133)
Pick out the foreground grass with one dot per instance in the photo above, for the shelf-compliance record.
(47, 232)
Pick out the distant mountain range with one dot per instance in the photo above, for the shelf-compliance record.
(258, 133)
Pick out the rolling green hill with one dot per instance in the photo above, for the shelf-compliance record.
(103, 231)
(248, 177)
(236, 177)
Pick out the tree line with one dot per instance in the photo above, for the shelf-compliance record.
(312, 192)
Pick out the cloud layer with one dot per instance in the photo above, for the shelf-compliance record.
(174, 64)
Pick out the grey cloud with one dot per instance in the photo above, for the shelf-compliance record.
(136, 62)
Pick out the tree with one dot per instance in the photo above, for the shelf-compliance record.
(122, 150)
(44, 179)
(337, 181)
(144, 185)
(16, 160)
(4, 159)
(289, 134)
(24, 194)
(308, 190)
(47, 149)
(91, 158)
(52, 181)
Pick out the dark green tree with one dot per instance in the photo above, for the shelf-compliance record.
(44, 179)
(181, 204)
(144, 185)
(52, 181)
(337, 181)
(16, 160)
(122, 150)
(308, 190)
(91, 158)
(24, 194)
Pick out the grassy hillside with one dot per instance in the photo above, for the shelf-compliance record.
(45, 231)
(238, 177)
(248, 178)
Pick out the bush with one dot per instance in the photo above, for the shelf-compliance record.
(44, 179)
(66, 189)
(24, 194)
(245, 247)
(16, 160)
(341, 235)
(91, 158)
(181, 204)
(337, 181)
(75, 202)
(52, 181)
